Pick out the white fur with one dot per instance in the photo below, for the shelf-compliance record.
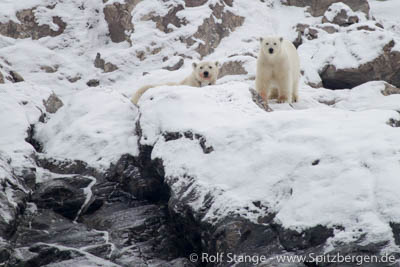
(196, 79)
(278, 73)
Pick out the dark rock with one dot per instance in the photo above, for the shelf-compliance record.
(93, 83)
(356, 250)
(138, 226)
(48, 227)
(384, 67)
(67, 166)
(168, 136)
(13, 197)
(101, 64)
(29, 28)
(394, 123)
(31, 140)
(292, 240)
(1, 78)
(232, 68)
(15, 77)
(259, 101)
(119, 19)
(47, 254)
(63, 195)
(318, 7)
(396, 232)
(304, 31)
(53, 103)
(328, 28)
(73, 79)
(162, 22)
(176, 66)
(143, 184)
(194, 3)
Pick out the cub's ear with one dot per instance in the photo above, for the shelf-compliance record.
(281, 39)
(194, 65)
(217, 64)
(261, 39)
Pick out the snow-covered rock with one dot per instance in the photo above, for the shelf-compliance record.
(89, 179)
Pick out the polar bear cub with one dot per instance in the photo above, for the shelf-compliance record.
(278, 70)
(203, 74)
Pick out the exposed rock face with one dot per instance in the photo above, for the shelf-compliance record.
(385, 67)
(15, 77)
(217, 26)
(232, 68)
(101, 64)
(304, 31)
(29, 28)
(64, 196)
(119, 19)
(318, 7)
(175, 66)
(390, 90)
(1, 78)
(162, 22)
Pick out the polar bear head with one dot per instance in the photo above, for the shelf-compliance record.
(271, 46)
(206, 71)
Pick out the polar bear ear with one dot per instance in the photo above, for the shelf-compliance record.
(261, 39)
(280, 39)
(216, 63)
(194, 65)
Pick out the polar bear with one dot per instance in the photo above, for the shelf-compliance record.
(203, 74)
(278, 70)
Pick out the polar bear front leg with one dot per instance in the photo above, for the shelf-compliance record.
(284, 90)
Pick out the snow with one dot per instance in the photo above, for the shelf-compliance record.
(271, 155)
(96, 125)
(336, 8)
(257, 156)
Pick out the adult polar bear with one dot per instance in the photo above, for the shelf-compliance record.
(203, 74)
(278, 70)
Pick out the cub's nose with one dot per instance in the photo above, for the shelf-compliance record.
(205, 74)
(271, 50)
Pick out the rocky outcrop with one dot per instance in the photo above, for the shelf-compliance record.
(234, 67)
(53, 103)
(319, 7)
(384, 67)
(119, 19)
(27, 27)
(1, 78)
(340, 14)
(162, 22)
(15, 77)
(93, 83)
(214, 29)
(105, 66)
(304, 31)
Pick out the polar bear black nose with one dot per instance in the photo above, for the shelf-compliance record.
(271, 50)
(206, 74)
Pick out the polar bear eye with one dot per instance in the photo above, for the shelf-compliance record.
(210, 67)
(274, 43)
(267, 43)
(201, 68)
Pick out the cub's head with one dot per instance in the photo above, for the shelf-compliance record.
(271, 46)
(206, 70)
